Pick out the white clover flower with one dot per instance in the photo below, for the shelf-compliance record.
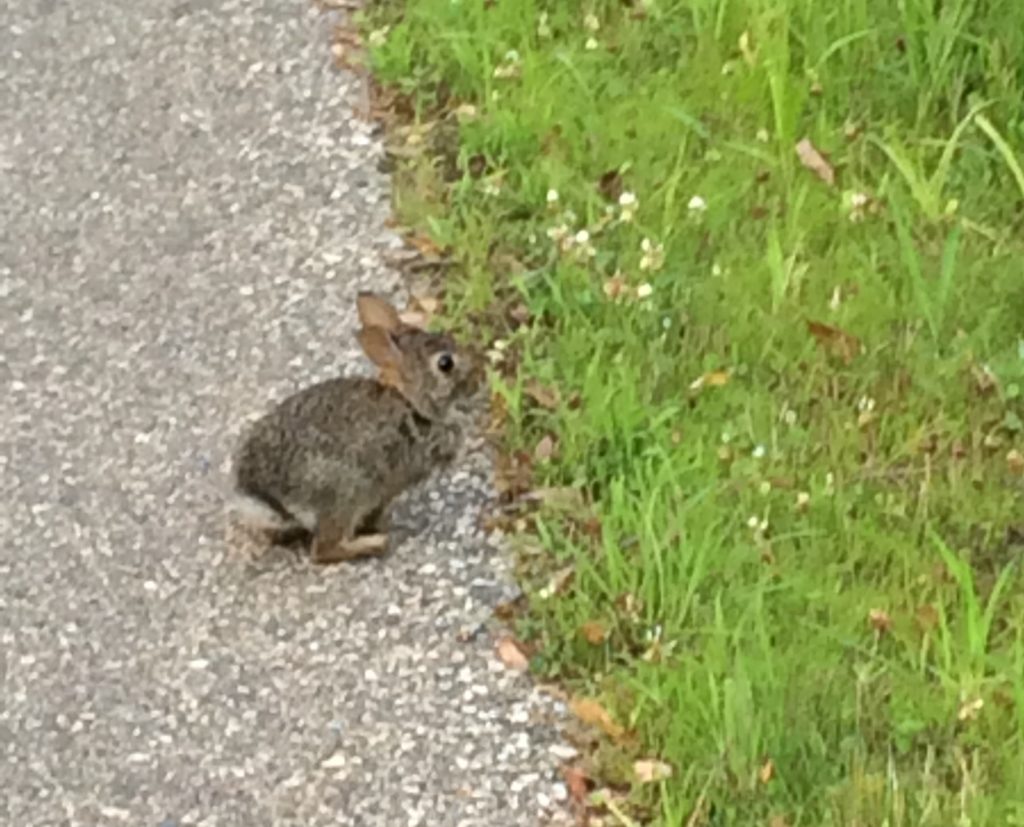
(511, 67)
(558, 233)
(644, 291)
(762, 135)
(591, 23)
(583, 246)
(758, 452)
(803, 499)
(543, 27)
(752, 523)
(653, 255)
(591, 44)
(552, 196)
(697, 204)
(628, 204)
(378, 37)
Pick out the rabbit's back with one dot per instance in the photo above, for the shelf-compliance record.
(347, 440)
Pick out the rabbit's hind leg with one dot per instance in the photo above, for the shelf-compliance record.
(377, 521)
(335, 540)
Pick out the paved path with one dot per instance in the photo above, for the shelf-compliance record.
(187, 209)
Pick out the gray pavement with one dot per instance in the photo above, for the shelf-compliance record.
(187, 210)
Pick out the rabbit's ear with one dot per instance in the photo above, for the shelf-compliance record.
(377, 312)
(380, 347)
(377, 343)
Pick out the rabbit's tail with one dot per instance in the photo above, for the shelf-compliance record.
(260, 510)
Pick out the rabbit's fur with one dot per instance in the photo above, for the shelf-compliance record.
(330, 459)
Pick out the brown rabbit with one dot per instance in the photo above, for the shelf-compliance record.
(330, 459)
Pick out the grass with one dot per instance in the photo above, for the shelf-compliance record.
(796, 552)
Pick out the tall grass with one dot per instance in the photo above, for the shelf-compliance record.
(808, 560)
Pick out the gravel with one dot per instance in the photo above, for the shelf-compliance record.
(189, 209)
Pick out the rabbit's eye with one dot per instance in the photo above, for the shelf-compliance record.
(445, 363)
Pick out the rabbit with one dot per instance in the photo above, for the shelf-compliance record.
(328, 460)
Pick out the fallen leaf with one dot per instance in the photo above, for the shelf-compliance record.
(576, 781)
(835, 341)
(629, 605)
(610, 185)
(984, 380)
(880, 620)
(520, 314)
(420, 310)
(477, 165)
(714, 379)
(594, 632)
(648, 771)
(414, 318)
(544, 395)
(426, 246)
(545, 448)
(592, 713)
(1015, 462)
(513, 473)
(512, 655)
(615, 286)
(813, 160)
(767, 771)
(558, 583)
(927, 617)
(564, 498)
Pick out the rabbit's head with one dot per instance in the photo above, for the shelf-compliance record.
(435, 375)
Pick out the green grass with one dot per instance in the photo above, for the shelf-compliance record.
(816, 562)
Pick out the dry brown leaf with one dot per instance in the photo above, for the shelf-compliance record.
(414, 318)
(880, 620)
(648, 771)
(576, 781)
(511, 654)
(594, 632)
(426, 246)
(545, 448)
(714, 379)
(984, 380)
(610, 185)
(544, 395)
(813, 160)
(564, 498)
(592, 713)
(835, 341)
(558, 583)
(1015, 462)
(513, 473)
(615, 286)
(520, 314)
(767, 771)
(927, 617)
